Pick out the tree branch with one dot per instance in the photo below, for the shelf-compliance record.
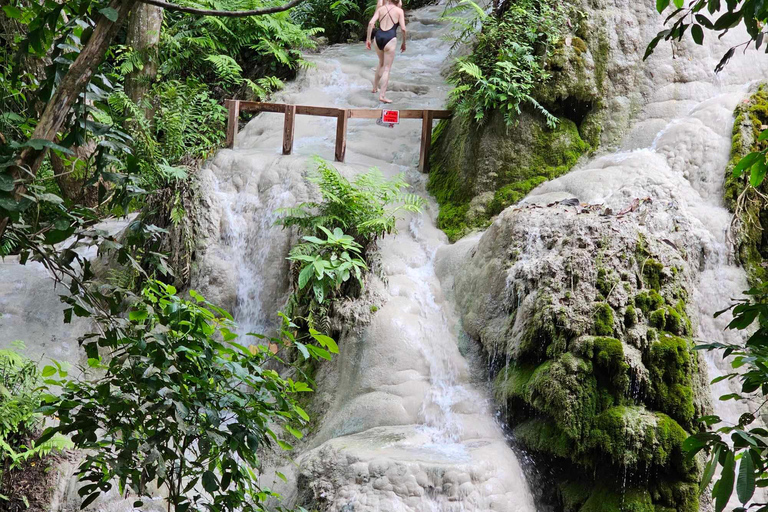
(226, 14)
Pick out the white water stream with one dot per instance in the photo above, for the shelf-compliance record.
(406, 429)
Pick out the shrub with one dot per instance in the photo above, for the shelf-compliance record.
(181, 404)
(365, 208)
(325, 265)
(20, 396)
(508, 60)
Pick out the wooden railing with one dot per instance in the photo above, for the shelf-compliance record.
(342, 115)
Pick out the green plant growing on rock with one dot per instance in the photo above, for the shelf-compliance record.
(339, 233)
(179, 403)
(325, 265)
(739, 450)
(366, 208)
(21, 392)
(508, 61)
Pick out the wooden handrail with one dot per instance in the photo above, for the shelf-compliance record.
(342, 115)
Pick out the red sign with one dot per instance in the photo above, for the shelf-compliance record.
(390, 116)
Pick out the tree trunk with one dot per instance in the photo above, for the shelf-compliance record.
(144, 36)
(58, 107)
(77, 77)
(71, 180)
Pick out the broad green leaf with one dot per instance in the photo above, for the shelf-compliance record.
(138, 315)
(109, 13)
(12, 12)
(303, 349)
(210, 482)
(6, 182)
(745, 484)
(295, 433)
(301, 413)
(305, 275)
(698, 34)
(48, 371)
(662, 4)
(709, 469)
(285, 446)
(757, 174)
(746, 163)
(724, 487)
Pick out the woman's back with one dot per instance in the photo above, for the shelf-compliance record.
(388, 16)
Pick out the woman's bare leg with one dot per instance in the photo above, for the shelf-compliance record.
(389, 58)
(379, 68)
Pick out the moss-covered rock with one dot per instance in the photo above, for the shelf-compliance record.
(603, 317)
(752, 226)
(671, 364)
(602, 380)
(498, 162)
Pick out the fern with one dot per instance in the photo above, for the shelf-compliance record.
(20, 398)
(508, 61)
(366, 208)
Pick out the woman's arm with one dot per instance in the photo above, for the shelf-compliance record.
(402, 26)
(371, 24)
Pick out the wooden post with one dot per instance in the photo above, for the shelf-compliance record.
(341, 135)
(233, 107)
(288, 128)
(426, 140)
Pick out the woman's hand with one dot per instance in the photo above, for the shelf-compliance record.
(368, 44)
(402, 47)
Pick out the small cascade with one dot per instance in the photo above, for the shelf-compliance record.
(249, 225)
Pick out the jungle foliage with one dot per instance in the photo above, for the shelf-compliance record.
(21, 392)
(176, 401)
(508, 61)
(738, 450)
(339, 234)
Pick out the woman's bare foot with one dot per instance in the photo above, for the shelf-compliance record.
(374, 90)
(385, 100)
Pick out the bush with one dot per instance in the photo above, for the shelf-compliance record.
(20, 396)
(365, 208)
(352, 215)
(325, 265)
(508, 60)
(181, 404)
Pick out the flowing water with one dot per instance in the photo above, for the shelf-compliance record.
(407, 428)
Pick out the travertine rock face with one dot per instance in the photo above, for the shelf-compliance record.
(591, 284)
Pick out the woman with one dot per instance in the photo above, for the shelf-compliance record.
(390, 17)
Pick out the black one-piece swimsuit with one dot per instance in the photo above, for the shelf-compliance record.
(385, 36)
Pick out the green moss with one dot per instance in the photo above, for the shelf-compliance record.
(604, 283)
(544, 436)
(610, 364)
(648, 301)
(676, 496)
(573, 495)
(630, 316)
(566, 390)
(511, 161)
(670, 319)
(512, 381)
(752, 236)
(606, 499)
(658, 318)
(512, 193)
(603, 319)
(671, 365)
(579, 45)
(653, 274)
